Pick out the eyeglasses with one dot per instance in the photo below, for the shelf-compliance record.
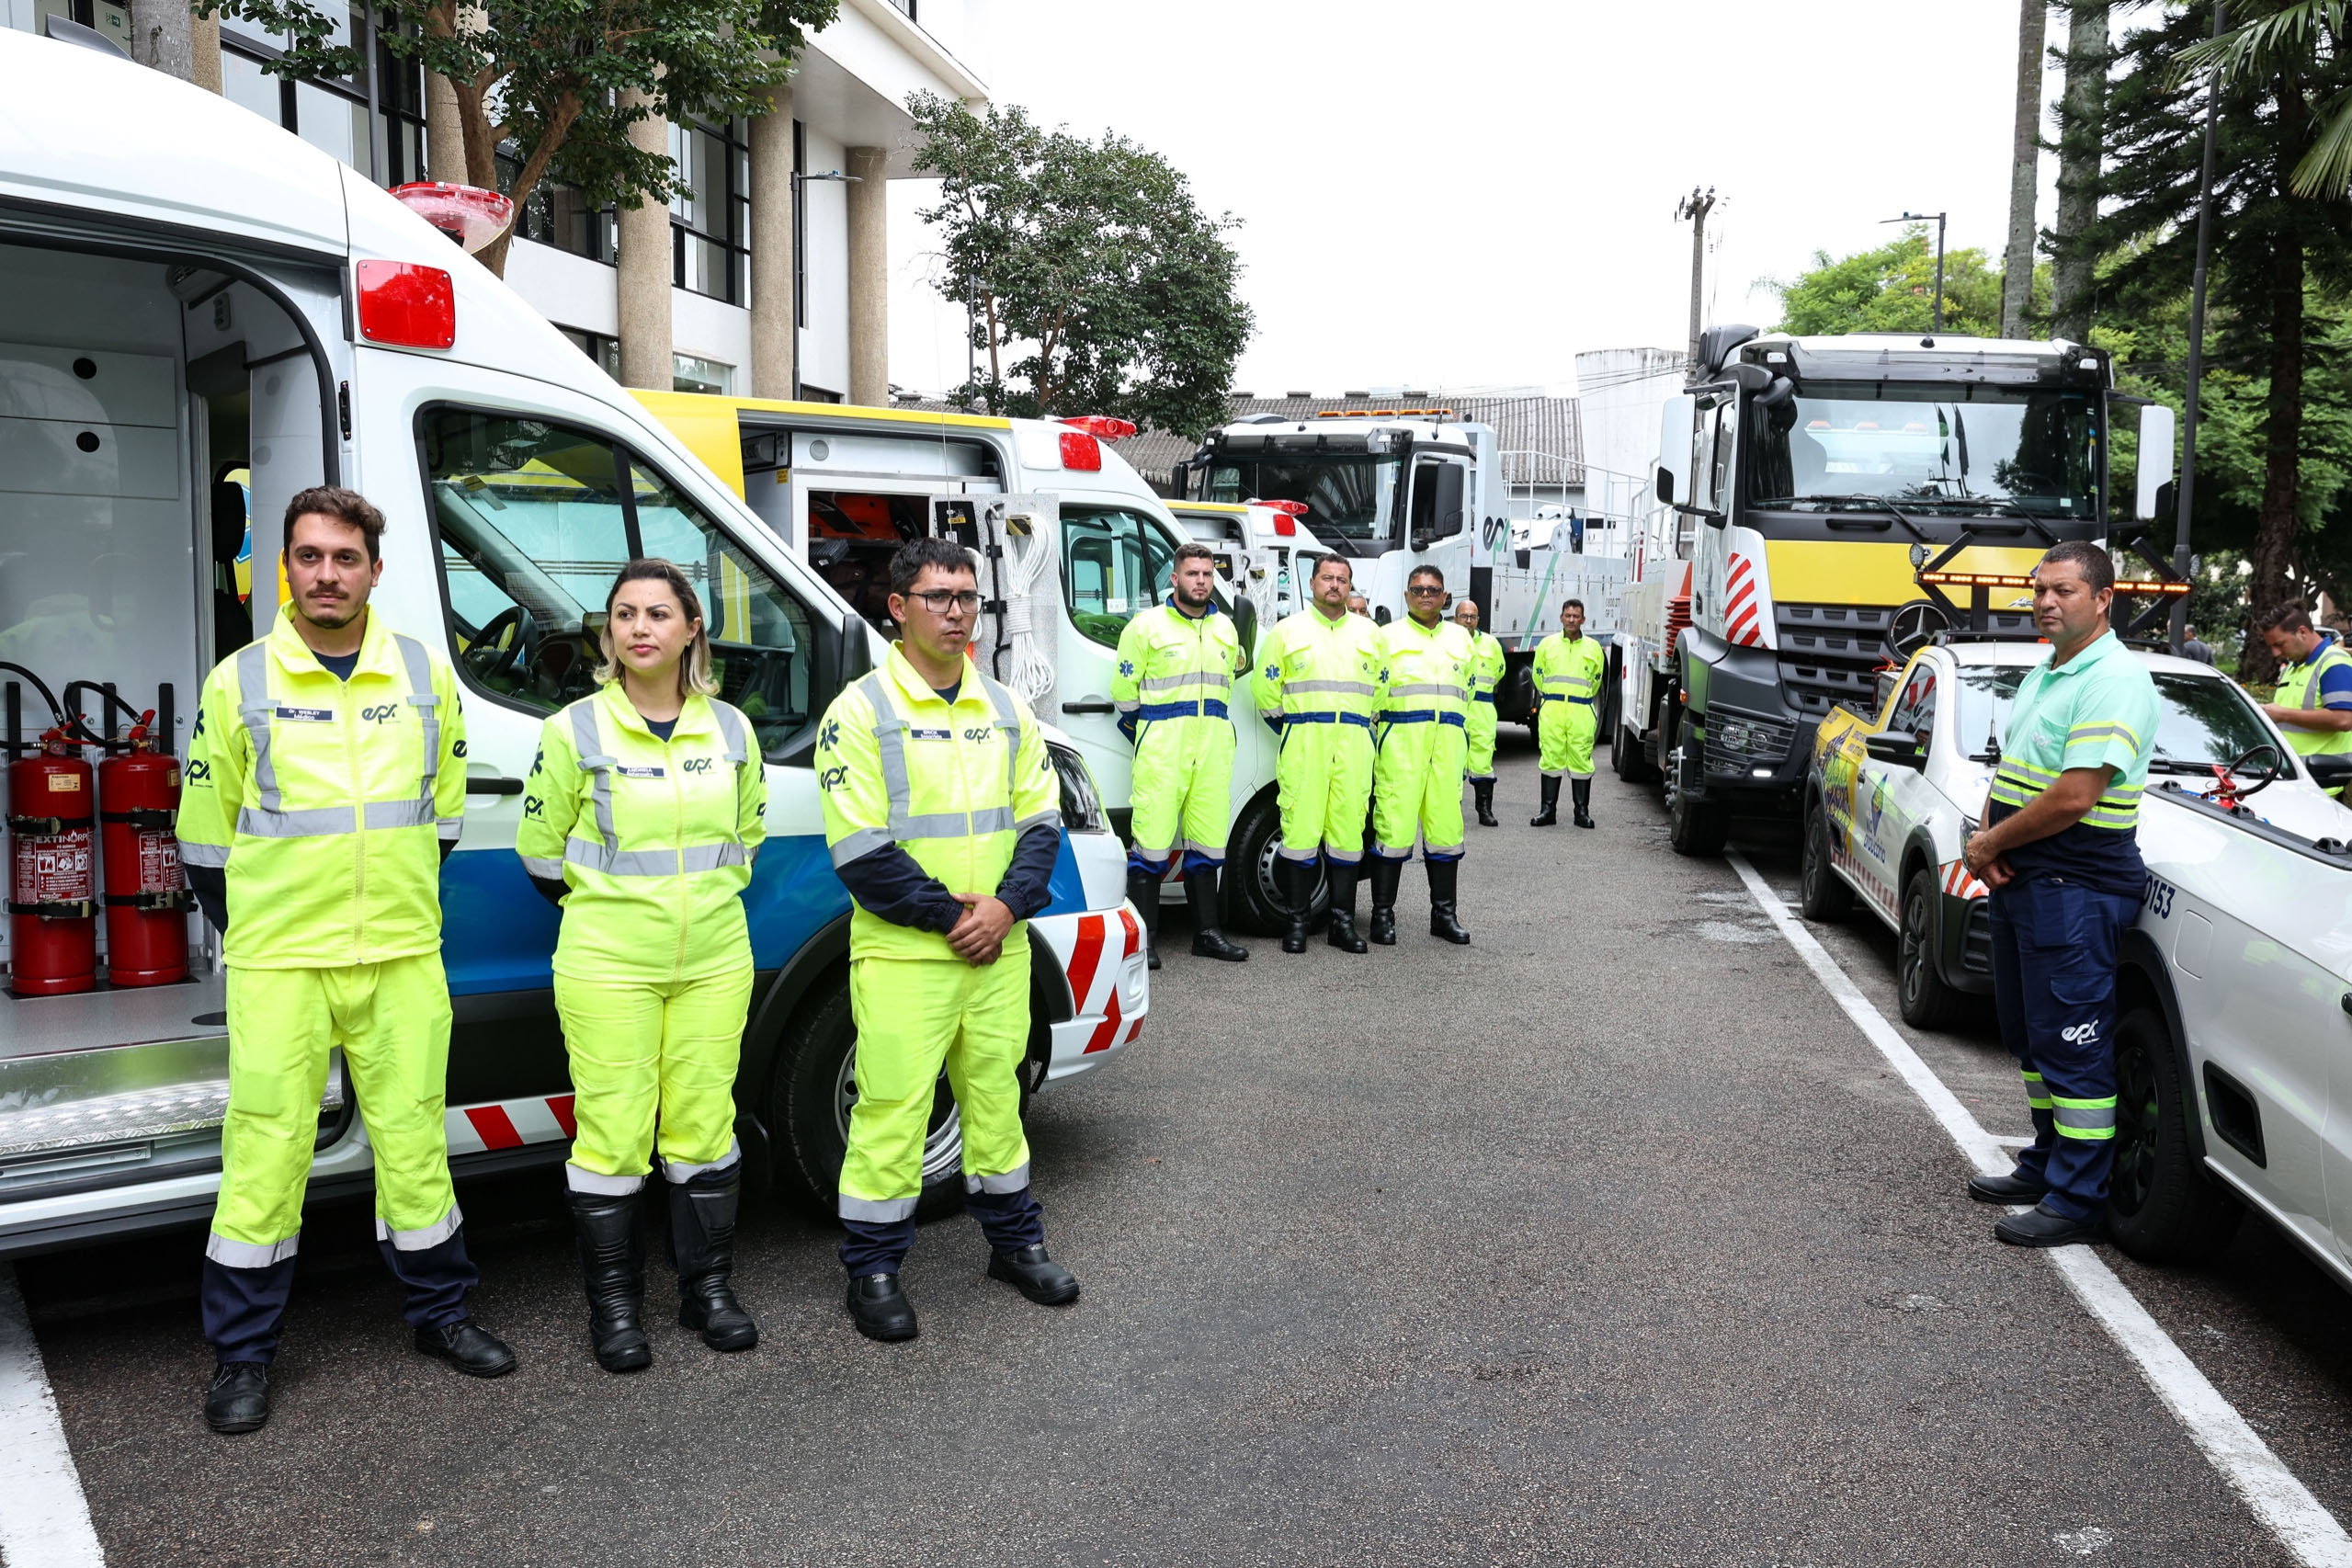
(938, 601)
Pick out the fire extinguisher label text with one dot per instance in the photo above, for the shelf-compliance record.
(64, 783)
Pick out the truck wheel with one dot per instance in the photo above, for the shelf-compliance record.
(1820, 894)
(1927, 1002)
(815, 1086)
(1625, 758)
(2161, 1206)
(1696, 828)
(1252, 902)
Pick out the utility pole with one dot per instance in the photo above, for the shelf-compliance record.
(1695, 207)
(1937, 319)
(2186, 492)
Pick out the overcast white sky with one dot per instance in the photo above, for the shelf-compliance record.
(1469, 194)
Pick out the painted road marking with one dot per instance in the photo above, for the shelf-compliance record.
(44, 1521)
(2246, 1462)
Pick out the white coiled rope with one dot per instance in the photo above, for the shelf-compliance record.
(1032, 617)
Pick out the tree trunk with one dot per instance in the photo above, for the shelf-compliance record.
(2081, 139)
(2279, 520)
(2025, 152)
(162, 35)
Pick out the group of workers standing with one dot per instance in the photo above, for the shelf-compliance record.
(1379, 725)
(326, 783)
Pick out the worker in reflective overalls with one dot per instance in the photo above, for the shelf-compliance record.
(2060, 850)
(1486, 666)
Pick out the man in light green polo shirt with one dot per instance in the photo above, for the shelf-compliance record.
(2060, 850)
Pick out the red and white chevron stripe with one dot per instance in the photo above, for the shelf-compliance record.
(1742, 623)
(1961, 883)
(508, 1124)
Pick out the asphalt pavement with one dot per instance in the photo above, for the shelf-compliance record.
(1607, 1239)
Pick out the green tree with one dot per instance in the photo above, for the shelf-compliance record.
(1092, 268)
(557, 83)
(1892, 289)
(2290, 40)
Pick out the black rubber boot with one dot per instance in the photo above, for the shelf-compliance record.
(702, 1244)
(1209, 941)
(1143, 892)
(1444, 877)
(1297, 885)
(1385, 876)
(1342, 934)
(1550, 815)
(1581, 792)
(1481, 792)
(612, 1267)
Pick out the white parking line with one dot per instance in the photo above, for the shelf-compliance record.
(44, 1523)
(2246, 1462)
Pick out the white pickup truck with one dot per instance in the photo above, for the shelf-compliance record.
(2234, 1044)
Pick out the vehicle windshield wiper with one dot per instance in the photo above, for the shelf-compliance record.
(2185, 765)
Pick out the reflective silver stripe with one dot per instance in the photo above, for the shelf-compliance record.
(1015, 1180)
(421, 696)
(1210, 678)
(588, 740)
(250, 1255)
(1352, 687)
(1428, 688)
(254, 708)
(993, 819)
(577, 1180)
(398, 814)
(255, 823)
(1008, 716)
(1038, 819)
(2083, 1118)
(538, 866)
(889, 747)
(863, 841)
(450, 828)
(731, 727)
(214, 856)
(424, 1236)
(678, 1173)
(2334, 654)
(876, 1210)
(1129, 706)
(653, 862)
(1345, 857)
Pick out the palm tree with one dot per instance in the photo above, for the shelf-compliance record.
(2291, 39)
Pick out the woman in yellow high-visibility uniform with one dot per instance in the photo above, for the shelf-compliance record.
(641, 818)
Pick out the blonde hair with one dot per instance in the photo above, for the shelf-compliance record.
(693, 667)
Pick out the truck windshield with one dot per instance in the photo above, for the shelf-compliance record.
(2202, 720)
(1970, 447)
(1351, 496)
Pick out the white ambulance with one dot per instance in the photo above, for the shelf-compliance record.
(198, 308)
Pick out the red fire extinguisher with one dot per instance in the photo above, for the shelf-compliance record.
(146, 895)
(52, 892)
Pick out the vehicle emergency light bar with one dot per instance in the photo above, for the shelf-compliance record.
(2011, 580)
(1285, 524)
(1102, 426)
(467, 213)
(1386, 414)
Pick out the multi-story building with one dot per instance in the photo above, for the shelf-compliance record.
(768, 276)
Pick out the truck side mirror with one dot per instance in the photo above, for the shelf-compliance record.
(855, 656)
(1677, 422)
(1246, 630)
(1443, 513)
(1899, 748)
(2155, 460)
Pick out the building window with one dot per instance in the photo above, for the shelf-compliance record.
(605, 351)
(688, 374)
(373, 121)
(905, 6)
(556, 216)
(710, 215)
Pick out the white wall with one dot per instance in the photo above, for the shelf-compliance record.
(570, 290)
(824, 341)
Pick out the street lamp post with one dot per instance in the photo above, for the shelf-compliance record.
(1935, 320)
(2184, 500)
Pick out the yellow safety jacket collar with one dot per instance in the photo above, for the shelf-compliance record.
(1426, 677)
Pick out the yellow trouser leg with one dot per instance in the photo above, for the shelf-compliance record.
(909, 1013)
(1480, 730)
(612, 1033)
(702, 1044)
(1157, 792)
(1302, 786)
(1348, 785)
(280, 1032)
(392, 1019)
(1208, 792)
(984, 1068)
(1442, 831)
(1564, 738)
(1399, 778)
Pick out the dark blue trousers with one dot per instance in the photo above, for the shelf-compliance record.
(242, 1308)
(2055, 944)
(1010, 1220)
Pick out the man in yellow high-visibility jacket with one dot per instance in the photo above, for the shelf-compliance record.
(943, 812)
(1318, 685)
(326, 783)
(1569, 669)
(2313, 703)
(1416, 779)
(1173, 684)
(1486, 667)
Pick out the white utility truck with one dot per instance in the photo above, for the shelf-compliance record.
(1261, 550)
(1397, 489)
(188, 293)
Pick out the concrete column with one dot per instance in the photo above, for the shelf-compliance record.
(869, 336)
(775, 335)
(163, 37)
(645, 271)
(204, 63)
(444, 134)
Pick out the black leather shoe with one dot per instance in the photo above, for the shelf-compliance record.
(238, 1400)
(1143, 893)
(2037, 1227)
(880, 1308)
(1034, 1275)
(1209, 940)
(1386, 874)
(1581, 792)
(1481, 790)
(1549, 816)
(2010, 1189)
(467, 1346)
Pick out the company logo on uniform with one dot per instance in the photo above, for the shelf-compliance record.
(830, 734)
(695, 765)
(377, 714)
(457, 750)
(538, 757)
(199, 772)
(980, 732)
(2080, 1034)
(832, 778)
(533, 806)
(1127, 667)
(307, 715)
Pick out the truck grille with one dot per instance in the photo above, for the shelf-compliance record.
(1831, 653)
(1738, 742)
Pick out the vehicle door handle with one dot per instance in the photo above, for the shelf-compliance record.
(1091, 705)
(491, 785)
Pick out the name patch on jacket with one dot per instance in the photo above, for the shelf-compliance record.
(307, 715)
(639, 772)
(932, 735)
